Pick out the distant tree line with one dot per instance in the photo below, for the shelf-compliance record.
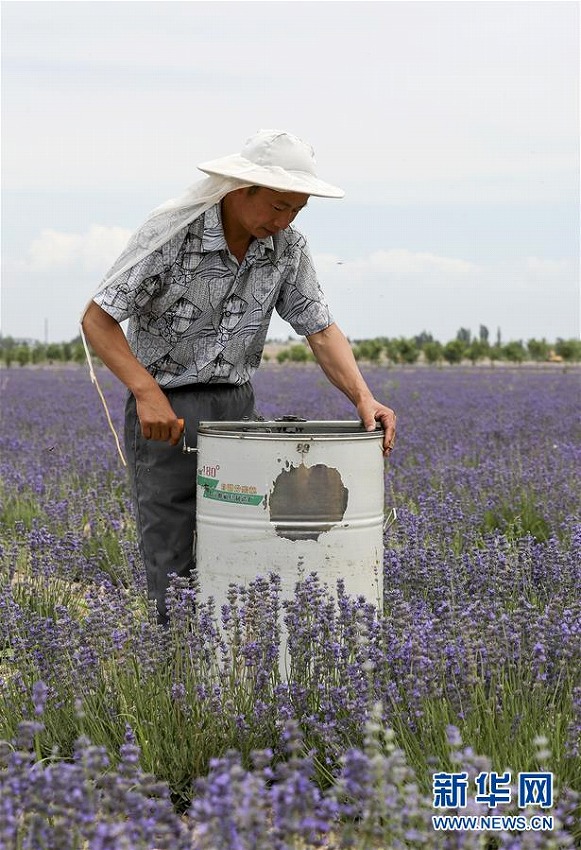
(465, 347)
(30, 352)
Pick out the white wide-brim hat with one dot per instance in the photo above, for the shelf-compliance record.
(277, 160)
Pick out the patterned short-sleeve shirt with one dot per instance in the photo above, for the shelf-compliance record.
(203, 317)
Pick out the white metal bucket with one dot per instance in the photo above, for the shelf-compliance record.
(290, 497)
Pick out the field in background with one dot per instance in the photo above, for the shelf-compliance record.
(473, 665)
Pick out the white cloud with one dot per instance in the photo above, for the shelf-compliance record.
(384, 293)
(540, 269)
(92, 251)
(400, 293)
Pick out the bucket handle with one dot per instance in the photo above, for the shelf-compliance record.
(186, 450)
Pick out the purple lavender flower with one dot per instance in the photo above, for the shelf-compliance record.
(482, 618)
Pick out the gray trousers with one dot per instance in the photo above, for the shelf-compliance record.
(163, 480)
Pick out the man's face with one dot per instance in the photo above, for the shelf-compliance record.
(263, 212)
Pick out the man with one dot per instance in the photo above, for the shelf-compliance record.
(198, 283)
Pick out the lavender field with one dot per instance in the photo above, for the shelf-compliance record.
(116, 734)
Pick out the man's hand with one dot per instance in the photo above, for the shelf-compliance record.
(157, 418)
(334, 355)
(372, 411)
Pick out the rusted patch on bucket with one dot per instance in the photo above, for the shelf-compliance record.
(305, 501)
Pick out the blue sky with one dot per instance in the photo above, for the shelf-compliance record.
(452, 126)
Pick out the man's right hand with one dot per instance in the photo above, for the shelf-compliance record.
(157, 418)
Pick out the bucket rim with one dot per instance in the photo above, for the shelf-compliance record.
(257, 429)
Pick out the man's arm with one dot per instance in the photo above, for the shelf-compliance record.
(158, 420)
(335, 357)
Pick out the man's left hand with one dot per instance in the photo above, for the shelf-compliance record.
(372, 411)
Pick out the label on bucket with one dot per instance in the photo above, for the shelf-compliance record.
(239, 494)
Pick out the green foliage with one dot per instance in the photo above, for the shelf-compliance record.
(433, 352)
(407, 350)
(538, 349)
(369, 349)
(519, 518)
(477, 350)
(19, 509)
(514, 352)
(464, 335)
(569, 349)
(391, 350)
(503, 721)
(38, 354)
(454, 351)
(421, 340)
(298, 354)
(54, 351)
(79, 355)
(103, 545)
(47, 596)
(23, 354)
(398, 350)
